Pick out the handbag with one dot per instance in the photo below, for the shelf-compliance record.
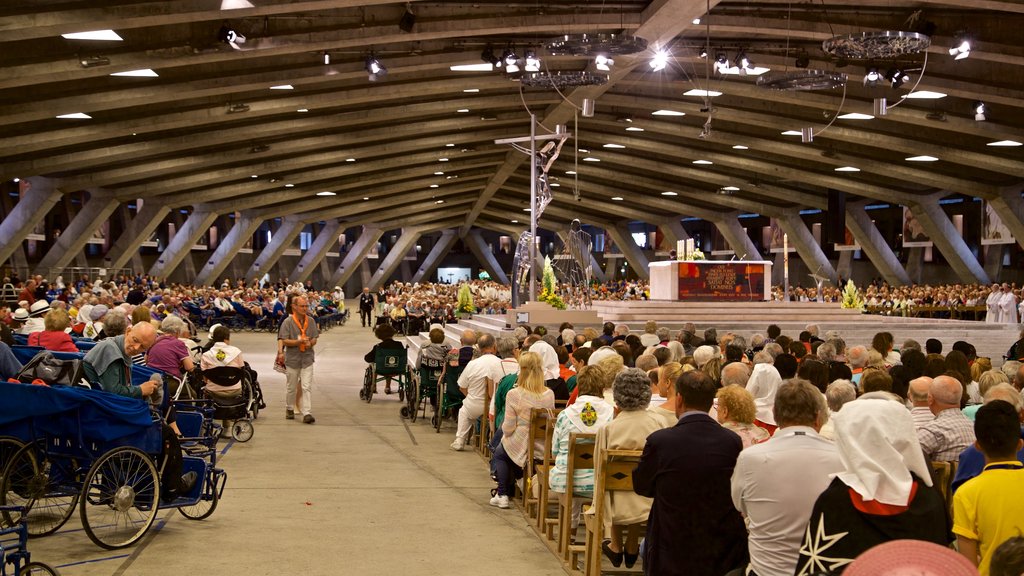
(54, 371)
(279, 364)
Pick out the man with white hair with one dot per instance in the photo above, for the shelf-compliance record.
(735, 373)
(620, 332)
(917, 393)
(1007, 306)
(858, 359)
(950, 433)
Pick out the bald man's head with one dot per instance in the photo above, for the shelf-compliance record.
(945, 392)
(918, 392)
(468, 338)
(139, 338)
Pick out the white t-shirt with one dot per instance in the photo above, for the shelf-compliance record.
(473, 377)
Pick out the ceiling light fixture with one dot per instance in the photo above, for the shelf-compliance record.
(1004, 143)
(703, 162)
(847, 169)
(921, 159)
(667, 113)
(617, 198)
(237, 108)
(141, 73)
(897, 77)
(634, 129)
(659, 61)
(702, 93)
(487, 55)
(228, 36)
(408, 19)
(75, 116)
(510, 59)
(93, 61)
(722, 63)
(350, 159)
(980, 111)
(792, 133)
(961, 47)
(591, 159)
(374, 69)
(532, 62)
(326, 193)
(739, 147)
(883, 44)
(924, 95)
(856, 116)
(289, 185)
(303, 110)
(563, 79)
(618, 146)
(104, 35)
(670, 193)
(603, 63)
(472, 67)
(327, 58)
(871, 76)
(282, 87)
(744, 63)
(803, 59)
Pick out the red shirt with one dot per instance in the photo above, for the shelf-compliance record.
(52, 340)
(27, 295)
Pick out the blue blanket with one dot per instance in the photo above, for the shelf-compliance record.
(28, 411)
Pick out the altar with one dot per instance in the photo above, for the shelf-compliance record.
(711, 280)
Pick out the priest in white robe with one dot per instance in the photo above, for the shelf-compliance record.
(992, 304)
(1007, 306)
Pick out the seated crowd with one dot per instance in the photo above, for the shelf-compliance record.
(766, 456)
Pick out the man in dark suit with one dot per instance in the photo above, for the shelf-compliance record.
(693, 528)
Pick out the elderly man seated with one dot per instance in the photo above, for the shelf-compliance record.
(110, 364)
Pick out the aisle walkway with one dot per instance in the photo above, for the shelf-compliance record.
(358, 493)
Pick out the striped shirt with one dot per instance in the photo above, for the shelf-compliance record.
(516, 425)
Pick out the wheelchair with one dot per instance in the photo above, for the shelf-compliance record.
(242, 408)
(427, 387)
(100, 454)
(449, 397)
(14, 551)
(388, 362)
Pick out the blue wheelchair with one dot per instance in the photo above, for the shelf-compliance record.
(14, 551)
(66, 448)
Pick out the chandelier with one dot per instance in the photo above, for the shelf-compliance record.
(802, 79)
(563, 79)
(876, 45)
(592, 44)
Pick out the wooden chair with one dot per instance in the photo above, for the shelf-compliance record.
(581, 457)
(614, 473)
(544, 472)
(942, 477)
(483, 439)
(541, 428)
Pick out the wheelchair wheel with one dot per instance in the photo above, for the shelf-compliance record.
(45, 486)
(242, 430)
(120, 498)
(362, 394)
(435, 423)
(401, 391)
(8, 447)
(405, 411)
(37, 569)
(207, 501)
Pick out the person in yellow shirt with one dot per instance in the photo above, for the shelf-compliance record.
(988, 509)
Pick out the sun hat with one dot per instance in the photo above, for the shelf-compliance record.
(39, 308)
(910, 558)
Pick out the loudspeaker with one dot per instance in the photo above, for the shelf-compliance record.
(407, 21)
(835, 218)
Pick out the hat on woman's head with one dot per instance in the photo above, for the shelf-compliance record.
(20, 315)
(39, 308)
(212, 328)
(910, 558)
(98, 311)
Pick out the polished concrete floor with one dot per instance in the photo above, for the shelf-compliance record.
(359, 492)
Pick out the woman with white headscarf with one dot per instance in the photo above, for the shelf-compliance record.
(552, 375)
(764, 382)
(885, 492)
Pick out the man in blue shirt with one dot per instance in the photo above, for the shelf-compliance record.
(972, 461)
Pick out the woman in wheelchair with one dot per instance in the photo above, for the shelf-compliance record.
(169, 354)
(386, 334)
(432, 356)
(222, 353)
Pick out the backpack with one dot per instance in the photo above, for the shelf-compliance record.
(54, 371)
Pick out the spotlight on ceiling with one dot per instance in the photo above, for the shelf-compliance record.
(803, 59)
(961, 47)
(237, 108)
(511, 60)
(721, 63)
(980, 111)
(871, 76)
(603, 63)
(230, 37)
(327, 58)
(374, 69)
(487, 55)
(702, 53)
(532, 62)
(897, 77)
(93, 61)
(659, 61)
(408, 19)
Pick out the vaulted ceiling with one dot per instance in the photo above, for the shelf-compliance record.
(209, 130)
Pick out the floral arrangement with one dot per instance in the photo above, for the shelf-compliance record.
(465, 303)
(851, 297)
(697, 255)
(549, 290)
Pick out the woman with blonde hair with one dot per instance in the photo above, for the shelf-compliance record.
(736, 411)
(666, 388)
(510, 456)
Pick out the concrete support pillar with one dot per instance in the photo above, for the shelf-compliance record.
(279, 242)
(356, 256)
(243, 229)
(993, 254)
(915, 263)
(945, 237)
(844, 267)
(874, 245)
(634, 255)
(1010, 208)
(322, 244)
(394, 258)
(737, 238)
(137, 232)
(483, 254)
(673, 230)
(365, 273)
(609, 269)
(180, 246)
(38, 196)
(437, 253)
(73, 239)
(809, 250)
(595, 270)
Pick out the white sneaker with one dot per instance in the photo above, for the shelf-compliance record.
(457, 446)
(502, 502)
(495, 500)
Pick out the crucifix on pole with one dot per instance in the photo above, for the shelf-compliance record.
(539, 161)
